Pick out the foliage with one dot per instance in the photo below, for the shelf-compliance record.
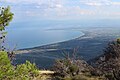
(26, 71)
(68, 68)
(5, 18)
(109, 63)
(6, 69)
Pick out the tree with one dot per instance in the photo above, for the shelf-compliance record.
(26, 71)
(5, 17)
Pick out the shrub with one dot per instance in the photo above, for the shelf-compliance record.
(68, 68)
(26, 71)
(6, 69)
(109, 63)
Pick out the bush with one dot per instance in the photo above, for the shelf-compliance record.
(109, 63)
(6, 69)
(68, 68)
(25, 71)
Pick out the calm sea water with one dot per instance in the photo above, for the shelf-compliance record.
(31, 33)
(26, 35)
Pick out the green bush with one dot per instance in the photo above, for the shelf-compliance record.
(6, 69)
(26, 71)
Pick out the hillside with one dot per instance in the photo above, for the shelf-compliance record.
(107, 66)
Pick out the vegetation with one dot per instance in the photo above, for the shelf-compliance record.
(5, 17)
(107, 66)
(73, 68)
(6, 69)
(26, 71)
(109, 63)
(70, 67)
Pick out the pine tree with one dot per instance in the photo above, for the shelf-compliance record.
(26, 71)
(5, 17)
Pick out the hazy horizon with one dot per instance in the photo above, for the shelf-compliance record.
(33, 16)
(63, 9)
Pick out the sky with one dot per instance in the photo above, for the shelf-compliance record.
(64, 9)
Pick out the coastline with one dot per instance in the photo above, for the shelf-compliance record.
(27, 50)
(84, 34)
(89, 46)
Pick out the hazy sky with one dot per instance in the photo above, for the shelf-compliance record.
(64, 9)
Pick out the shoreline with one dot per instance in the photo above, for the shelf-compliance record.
(89, 46)
(83, 35)
(27, 50)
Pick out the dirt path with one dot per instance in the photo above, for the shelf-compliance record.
(46, 72)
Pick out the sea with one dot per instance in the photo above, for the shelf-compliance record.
(27, 34)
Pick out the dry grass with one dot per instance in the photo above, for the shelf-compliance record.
(45, 75)
(48, 75)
